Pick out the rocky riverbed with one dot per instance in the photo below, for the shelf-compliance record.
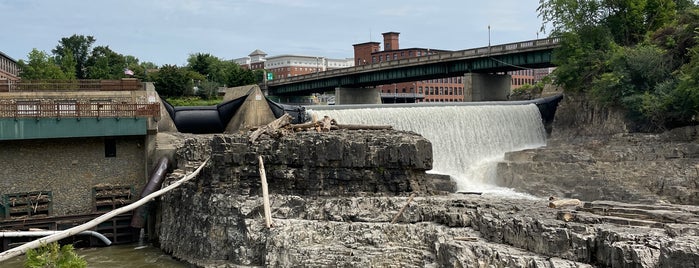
(335, 195)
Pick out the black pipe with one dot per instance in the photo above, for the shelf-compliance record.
(156, 178)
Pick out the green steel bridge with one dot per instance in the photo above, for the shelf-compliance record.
(492, 59)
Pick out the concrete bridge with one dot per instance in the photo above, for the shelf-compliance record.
(480, 66)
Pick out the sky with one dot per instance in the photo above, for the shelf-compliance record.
(168, 31)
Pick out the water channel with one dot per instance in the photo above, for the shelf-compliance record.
(117, 256)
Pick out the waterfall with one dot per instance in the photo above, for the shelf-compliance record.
(467, 141)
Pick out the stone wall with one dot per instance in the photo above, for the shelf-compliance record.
(70, 168)
(319, 164)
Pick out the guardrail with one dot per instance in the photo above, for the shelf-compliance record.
(459, 54)
(70, 85)
(70, 109)
(403, 95)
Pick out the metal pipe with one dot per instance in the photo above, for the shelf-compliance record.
(104, 239)
(153, 185)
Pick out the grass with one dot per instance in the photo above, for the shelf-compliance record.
(193, 101)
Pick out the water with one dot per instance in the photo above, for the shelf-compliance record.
(467, 141)
(117, 256)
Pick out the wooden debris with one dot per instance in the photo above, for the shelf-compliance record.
(553, 203)
(272, 127)
(395, 218)
(363, 127)
(466, 238)
(470, 193)
(281, 125)
(265, 194)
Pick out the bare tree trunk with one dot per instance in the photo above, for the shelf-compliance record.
(13, 252)
(271, 127)
(564, 203)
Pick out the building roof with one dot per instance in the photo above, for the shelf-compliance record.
(367, 43)
(8, 57)
(257, 52)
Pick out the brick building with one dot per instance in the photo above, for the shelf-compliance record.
(9, 71)
(434, 90)
(283, 66)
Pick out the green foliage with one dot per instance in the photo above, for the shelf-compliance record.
(223, 72)
(79, 46)
(105, 64)
(207, 90)
(41, 66)
(173, 81)
(53, 255)
(633, 54)
(193, 101)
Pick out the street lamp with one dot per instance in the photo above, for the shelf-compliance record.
(488, 39)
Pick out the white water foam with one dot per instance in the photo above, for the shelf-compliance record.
(467, 141)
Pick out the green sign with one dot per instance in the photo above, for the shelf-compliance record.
(270, 76)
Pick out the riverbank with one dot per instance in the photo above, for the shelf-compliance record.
(331, 207)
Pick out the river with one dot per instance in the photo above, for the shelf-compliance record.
(117, 256)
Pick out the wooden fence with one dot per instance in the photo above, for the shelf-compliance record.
(70, 85)
(75, 109)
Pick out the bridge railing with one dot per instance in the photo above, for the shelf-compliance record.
(474, 52)
(47, 108)
(70, 85)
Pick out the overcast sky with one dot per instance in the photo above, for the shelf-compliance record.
(167, 31)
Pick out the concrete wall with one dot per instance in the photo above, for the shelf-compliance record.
(70, 168)
(486, 87)
(357, 96)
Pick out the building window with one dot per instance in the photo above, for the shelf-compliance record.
(109, 147)
(419, 53)
(402, 54)
(388, 57)
(395, 56)
(373, 59)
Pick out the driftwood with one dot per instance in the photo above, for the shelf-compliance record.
(282, 124)
(395, 218)
(466, 238)
(13, 252)
(554, 203)
(363, 127)
(271, 128)
(265, 194)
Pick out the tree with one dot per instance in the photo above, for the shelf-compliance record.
(79, 46)
(105, 64)
(172, 81)
(630, 54)
(40, 66)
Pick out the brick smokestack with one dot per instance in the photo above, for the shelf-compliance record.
(390, 41)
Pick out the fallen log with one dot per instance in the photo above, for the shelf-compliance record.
(13, 252)
(271, 128)
(564, 203)
(363, 127)
(466, 238)
(265, 194)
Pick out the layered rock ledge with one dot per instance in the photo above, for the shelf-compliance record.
(335, 194)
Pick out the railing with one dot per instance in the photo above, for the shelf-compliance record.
(70, 85)
(75, 109)
(403, 95)
(455, 55)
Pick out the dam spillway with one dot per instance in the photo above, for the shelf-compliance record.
(467, 140)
